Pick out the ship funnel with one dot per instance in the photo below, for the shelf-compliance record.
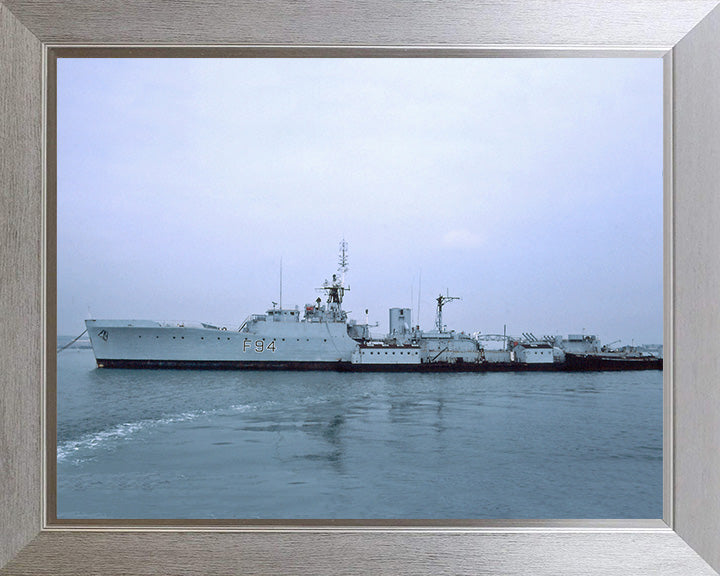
(400, 321)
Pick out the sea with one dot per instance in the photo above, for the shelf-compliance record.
(206, 444)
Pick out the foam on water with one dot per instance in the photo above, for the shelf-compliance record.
(108, 438)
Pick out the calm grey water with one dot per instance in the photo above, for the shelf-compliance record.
(207, 444)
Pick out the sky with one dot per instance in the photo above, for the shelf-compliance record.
(529, 188)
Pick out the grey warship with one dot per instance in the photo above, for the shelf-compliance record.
(322, 337)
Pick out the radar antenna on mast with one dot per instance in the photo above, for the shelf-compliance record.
(343, 260)
(441, 301)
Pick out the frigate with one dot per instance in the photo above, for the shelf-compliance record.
(320, 336)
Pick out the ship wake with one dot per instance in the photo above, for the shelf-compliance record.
(84, 447)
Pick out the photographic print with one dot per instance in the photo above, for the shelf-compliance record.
(359, 288)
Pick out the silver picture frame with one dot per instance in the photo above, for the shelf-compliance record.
(685, 33)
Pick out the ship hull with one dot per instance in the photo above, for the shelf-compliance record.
(142, 343)
(342, 366)
(220, 364)
(307, 346)
(600, 362)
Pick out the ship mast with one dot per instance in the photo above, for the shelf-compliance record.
(338, 285)
(343, 261)
(441, 301)
(336, 289)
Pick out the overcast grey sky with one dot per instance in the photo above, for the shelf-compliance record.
(531, 188)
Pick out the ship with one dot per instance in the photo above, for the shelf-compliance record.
(321, 336)
(626, 358)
